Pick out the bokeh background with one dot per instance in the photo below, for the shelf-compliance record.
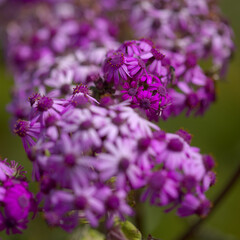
(217, 132)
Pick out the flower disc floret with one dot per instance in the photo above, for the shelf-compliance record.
(44, 104)
(116, 60)
(21, 128)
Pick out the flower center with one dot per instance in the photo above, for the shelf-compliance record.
(81, 88)
(81, 202)
(50, 120)
(117, 121)
(116, 60)
(145, 103)
(191, 61)
(44, 103)
(85, 125)
(132, 91)
(156, 24)
(124, 164)
(65, 89)
(157, 181)
(21, 128)
(23, 201)
(162, 90)
(113, 202)
(80, 102)
(70, 160)
(175, 145)
(157, 55)
(34, 98)
(144, 143)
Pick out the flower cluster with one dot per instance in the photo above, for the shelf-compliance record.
(141, 73)
(85, 102)
(88, 157)
(158, 81)
(73, 44)
(15, 199)
(186, 27)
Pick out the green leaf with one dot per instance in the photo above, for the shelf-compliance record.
(130, 231)
(87, 233)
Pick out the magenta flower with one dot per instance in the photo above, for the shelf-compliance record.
(115, 67)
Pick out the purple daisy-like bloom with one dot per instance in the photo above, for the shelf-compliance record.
(12, 226)
(163, 188)
(120, 161)
(45, 107)
(28, 131)
(172, 151)
(130, 90)
(115, 67)
(192, 204)
(116, 206)
(71, 167)
(17, 201)
(148, 103)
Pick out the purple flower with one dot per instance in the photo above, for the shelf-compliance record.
(115, 67)
(17, 201)
(193, 205)
(120, 161)
(28, 131)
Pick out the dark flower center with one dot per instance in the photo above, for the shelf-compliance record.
(23, 201)
(34, 98)
(113, 202)
(70, 160)
(145, 103)
(116, 60)
(81, 202)
(144, 143)
(50, 120)
(21, 128)
(132, 91)
(10, 223)
(80, 102)
(191, 61)
(175, 145)
(162, 90)
(157, 181)
(85, 125)
(117, 121)
(44, 103)
(81, 88)
(65, 89)
(156, 24)
(124, 164)
(157, 55)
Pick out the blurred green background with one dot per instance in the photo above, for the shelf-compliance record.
(216, 133)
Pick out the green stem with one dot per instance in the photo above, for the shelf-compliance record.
(139, 212)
